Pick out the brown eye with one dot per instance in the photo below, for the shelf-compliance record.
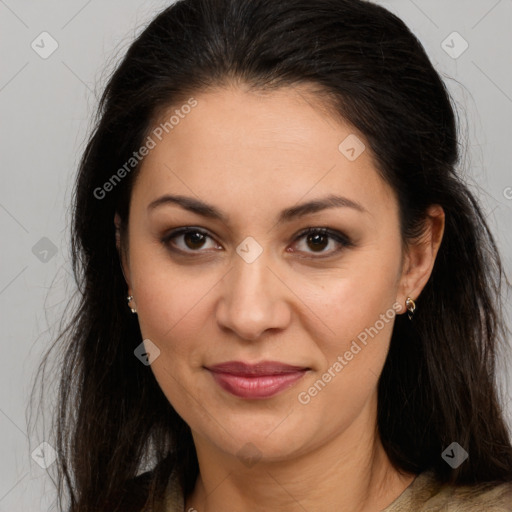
(194, 239)
(187, 239)
(316, 240)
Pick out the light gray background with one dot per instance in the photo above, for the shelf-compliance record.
(46, 110)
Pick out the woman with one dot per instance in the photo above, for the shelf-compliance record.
(289, 299)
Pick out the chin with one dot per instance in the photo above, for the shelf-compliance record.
(268, 439)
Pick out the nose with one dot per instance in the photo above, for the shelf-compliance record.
(253, 300)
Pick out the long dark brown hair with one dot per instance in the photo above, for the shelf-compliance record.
(438, 384)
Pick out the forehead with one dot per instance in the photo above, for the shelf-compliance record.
(260, 150)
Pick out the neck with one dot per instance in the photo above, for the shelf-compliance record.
(350, 472)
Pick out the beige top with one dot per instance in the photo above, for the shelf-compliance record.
(424, 494)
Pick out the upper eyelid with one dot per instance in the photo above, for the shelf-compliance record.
(192, 229)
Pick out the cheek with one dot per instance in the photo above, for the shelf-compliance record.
(360, 325)
(359, 307)
(170, 304)
(351, 359)
(353, 299)
(170, 307)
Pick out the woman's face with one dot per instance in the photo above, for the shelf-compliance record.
(245, 286)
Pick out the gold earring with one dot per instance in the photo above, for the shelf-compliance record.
(411, 307)
(130, 298)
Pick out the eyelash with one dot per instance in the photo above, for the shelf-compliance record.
(337, 236)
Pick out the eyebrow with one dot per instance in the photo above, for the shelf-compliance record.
(209, 211)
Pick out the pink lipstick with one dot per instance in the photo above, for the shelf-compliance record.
(256, 381)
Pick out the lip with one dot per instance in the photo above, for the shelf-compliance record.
(256, 381)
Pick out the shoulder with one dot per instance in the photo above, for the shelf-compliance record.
(427, 493)
(489, 497)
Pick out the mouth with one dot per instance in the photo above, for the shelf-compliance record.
(256, 381)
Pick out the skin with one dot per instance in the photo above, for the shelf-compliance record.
(252, 155)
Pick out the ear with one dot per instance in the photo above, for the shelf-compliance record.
(420, 256)
(125, 267)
